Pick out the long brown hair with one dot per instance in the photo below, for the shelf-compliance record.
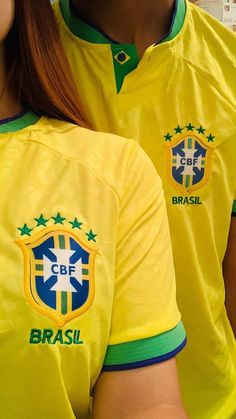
(37, 69)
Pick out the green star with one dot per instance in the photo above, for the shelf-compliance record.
(210, 138)
(178, 130)
(189, 127)
(41, 221)
(91, 236)
(201, 130)
(76, 224)
(168, 137)
(58, 219)
(25, 230)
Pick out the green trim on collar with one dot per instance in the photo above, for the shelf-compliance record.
(178, 21)
(18, 123)
(234, 208)
(87, 33)
(125, 60)
(125, 56)
(80, 28)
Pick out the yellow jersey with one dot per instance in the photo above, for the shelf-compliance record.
(178, 102)
(87, 279)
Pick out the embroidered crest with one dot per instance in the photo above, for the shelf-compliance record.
(59, 272)
(189, 158)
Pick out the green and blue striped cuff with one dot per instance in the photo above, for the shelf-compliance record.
(234, 209)
(145, 352)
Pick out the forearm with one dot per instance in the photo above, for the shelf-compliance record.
(160, 412)
(142, 393)
(164, 411)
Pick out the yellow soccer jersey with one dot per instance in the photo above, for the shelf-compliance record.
(87, 279)
(179, 103)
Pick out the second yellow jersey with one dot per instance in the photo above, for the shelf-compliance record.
(179, 103)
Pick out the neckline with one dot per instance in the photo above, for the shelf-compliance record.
(18, 122)
(86, 32)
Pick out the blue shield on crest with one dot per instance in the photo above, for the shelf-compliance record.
(189, 163)
(59, 274)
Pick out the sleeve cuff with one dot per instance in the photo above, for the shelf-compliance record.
(145, 352)
(234, 209)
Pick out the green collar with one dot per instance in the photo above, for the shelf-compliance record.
(18, 122)
(88, 33)
(125, 57)
(177, 20)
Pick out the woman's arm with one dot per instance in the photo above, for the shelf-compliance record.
(229, 267)
(137, 381)
(143, 393)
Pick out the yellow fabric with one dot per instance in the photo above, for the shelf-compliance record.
(189, 80)
(54, 173)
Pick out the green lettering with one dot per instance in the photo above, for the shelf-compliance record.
(58, 337)
(77, 341)
(50, 337)
(35, 336)
(47, 335)
(70, 338)
(183, 200)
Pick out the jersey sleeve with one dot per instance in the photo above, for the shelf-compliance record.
(146, 327)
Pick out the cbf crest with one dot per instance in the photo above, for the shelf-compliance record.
(59, 271)
(189, 157)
